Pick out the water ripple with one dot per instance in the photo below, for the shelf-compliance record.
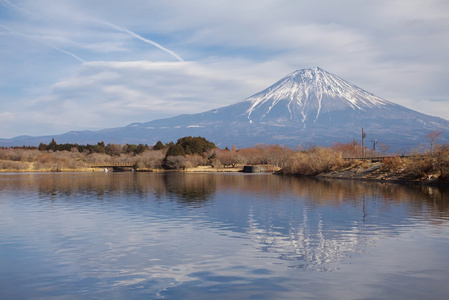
(216, 236)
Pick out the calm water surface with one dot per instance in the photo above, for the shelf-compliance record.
(219, 236)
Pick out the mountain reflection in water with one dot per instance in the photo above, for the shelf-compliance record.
(165, 233)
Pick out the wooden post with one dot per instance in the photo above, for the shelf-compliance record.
(363, 142)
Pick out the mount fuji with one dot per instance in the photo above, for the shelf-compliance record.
(306, 107)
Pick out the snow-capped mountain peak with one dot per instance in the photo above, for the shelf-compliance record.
(307, 93)
(307, 107)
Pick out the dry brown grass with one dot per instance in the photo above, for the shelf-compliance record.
(12, 166)
(315, 161)
(392, 164)
(433, 164)
(20, 160)
(318, 160)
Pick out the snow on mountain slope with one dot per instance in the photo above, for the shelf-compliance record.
(307, 93)
(309, 106)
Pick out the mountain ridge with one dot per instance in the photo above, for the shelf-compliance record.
(308, 106)
(307, 91)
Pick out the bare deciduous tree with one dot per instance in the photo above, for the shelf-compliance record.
(175, 162)
(432, 138)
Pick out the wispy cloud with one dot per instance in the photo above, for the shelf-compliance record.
(139, 37)
(125, 92)
(105, 23)
(8, 3)
(230, 50)
(41, 40)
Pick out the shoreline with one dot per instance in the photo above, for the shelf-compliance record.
(200, 169)
(373, 173)
(368, 173)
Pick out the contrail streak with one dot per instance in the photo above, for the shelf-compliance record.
(22, 10)
(10, 4)
(33, 37)
(40, 40)
(63, 51)
(116, 27)
(133, 34)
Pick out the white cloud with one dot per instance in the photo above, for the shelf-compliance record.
(395, 49)
(110, 94)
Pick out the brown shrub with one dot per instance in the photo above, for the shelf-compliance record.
(225, 158)
(195, 160)
(249, 156)
(392, 164)
(6, 154)
(175, 162)
(431, 163)
(419, 165)
(314, 161)
(97, 158)
(441, 162)
(275, 155)
(349, 150)
(151, 159)
(13, 165)
(45, 158)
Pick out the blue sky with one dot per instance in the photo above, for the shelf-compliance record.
(87, 65)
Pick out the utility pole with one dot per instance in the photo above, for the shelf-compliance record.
(363, 142)
(374, 145)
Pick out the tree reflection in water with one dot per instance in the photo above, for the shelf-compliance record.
(172, 227)
(202, 187)
(311, 221)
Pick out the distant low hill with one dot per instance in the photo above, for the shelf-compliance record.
(306, 107)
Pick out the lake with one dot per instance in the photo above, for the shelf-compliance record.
(219, 236)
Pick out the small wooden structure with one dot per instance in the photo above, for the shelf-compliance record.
(254, 169)
(116, 167)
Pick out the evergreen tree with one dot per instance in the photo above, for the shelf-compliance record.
(158, 146)
(173, 158)
(42, 147)
(53, 146)
(195, 145)
(141, 149)
(176, 150)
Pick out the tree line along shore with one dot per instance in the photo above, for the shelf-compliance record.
(430, 163)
